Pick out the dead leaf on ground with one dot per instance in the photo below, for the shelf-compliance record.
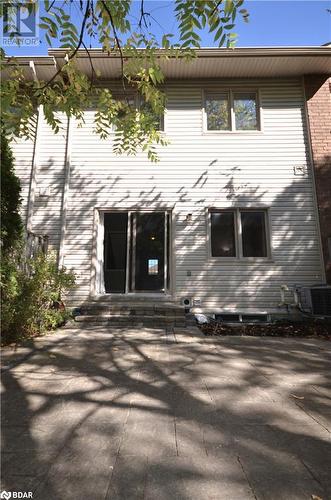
(296, 397)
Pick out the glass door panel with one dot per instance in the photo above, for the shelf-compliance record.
(149, 251)
(115, 250)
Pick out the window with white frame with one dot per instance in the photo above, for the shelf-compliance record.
(239, 233)
(231, 111)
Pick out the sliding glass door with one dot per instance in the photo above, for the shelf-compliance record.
(136, 252)
(115, 251)
(149, 252)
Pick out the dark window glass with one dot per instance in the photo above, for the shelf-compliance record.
(149, 262)
(244, 106)
(217, 111)
(227, 318)
(253, 234)
(223, 234)
(127, 104)
(116, 254)
(254, 318)
(115, 225)
(158, 120)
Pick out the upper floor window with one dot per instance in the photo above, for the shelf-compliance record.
(136, 102)
(238, 233)
(245, 112)
(157, 119)
(217, 111)
(231, 110)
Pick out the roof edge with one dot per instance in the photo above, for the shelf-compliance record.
(216, 52)
(203, 52)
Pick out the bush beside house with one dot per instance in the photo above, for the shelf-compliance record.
(31, 289)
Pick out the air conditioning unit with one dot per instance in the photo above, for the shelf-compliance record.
(316, 300)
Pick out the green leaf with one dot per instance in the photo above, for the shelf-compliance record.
(196, 23)
(214, 25)
(218, 33)
(222, 40)
(195, 36)
(152, 75)
(228, 6)
(187, 35)
(48, 40)
(43, 26)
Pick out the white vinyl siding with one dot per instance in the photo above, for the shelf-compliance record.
(50, 174)
(196, 171)
(23, 150)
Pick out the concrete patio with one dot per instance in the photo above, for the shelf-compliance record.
(99, 413)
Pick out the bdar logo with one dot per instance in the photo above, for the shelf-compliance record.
(5, 494)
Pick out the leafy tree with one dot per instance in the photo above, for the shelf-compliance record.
(107, 22)
(11, 223)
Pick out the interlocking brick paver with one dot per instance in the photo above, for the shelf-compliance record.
(143, 413)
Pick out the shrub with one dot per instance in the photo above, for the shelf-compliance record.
(33, 300)
(31, 294)
(10, 290)
(11, 224)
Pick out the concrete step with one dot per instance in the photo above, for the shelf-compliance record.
(133, 320)
(133, 313)
(129, 309)
(127, 300)
(133, 305)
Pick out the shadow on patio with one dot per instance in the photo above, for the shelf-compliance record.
(96, 414)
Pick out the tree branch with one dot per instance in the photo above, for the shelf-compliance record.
(50, 7)
(216, 7)
(117, 41)
(80, 43)
(93, 73)
(142, 15)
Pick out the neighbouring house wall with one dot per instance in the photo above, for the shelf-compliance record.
(318, 95)
(197, 170)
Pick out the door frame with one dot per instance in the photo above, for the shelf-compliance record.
(97, 274)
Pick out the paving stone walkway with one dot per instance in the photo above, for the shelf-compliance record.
(94, 413)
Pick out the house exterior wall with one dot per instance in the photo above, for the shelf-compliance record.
(23, 151)
(197, 170)
(318, 95)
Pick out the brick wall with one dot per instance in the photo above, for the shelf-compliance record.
(318, 94)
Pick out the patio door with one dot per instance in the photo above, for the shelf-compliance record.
(115, 251)
(136, 252)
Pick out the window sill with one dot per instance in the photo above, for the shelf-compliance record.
(232, 132)
(242, 260)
